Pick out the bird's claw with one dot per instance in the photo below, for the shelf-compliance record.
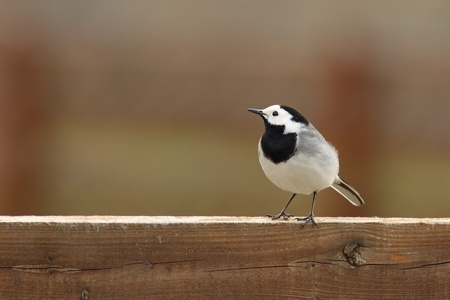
(282, 214)
(307, 220)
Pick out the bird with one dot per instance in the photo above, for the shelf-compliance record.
(296, 158)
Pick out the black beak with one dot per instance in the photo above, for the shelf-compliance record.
(256, 111)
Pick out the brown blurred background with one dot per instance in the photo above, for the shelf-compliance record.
(139, 107)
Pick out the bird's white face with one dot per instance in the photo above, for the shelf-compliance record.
(276, 115)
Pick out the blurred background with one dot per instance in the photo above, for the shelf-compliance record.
(139, 107)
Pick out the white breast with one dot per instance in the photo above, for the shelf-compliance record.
(303, 173)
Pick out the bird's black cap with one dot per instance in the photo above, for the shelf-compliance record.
(296, 116)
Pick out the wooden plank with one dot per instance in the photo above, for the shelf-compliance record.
(223, 257)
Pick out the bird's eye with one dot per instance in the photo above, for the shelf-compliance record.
(275, 113)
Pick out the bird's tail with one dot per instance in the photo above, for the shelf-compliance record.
(346, 190)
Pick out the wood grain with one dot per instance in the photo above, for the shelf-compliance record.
(223, 258)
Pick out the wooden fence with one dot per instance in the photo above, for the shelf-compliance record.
(223, 258)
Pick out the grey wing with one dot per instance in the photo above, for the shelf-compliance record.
(347, 191)
(311, 142)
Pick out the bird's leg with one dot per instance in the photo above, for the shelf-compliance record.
(283, 211)
(310, 217)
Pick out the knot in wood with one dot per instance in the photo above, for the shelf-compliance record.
(352, 253)
(85, 294)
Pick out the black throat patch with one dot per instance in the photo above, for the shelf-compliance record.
(276, 146)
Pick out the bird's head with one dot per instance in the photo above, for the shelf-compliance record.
(281, 115)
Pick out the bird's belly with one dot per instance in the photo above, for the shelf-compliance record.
(300, 174)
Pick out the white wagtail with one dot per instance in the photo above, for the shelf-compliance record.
(297, 159)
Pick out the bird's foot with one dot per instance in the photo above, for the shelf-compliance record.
(308, 219)
(282, 214)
